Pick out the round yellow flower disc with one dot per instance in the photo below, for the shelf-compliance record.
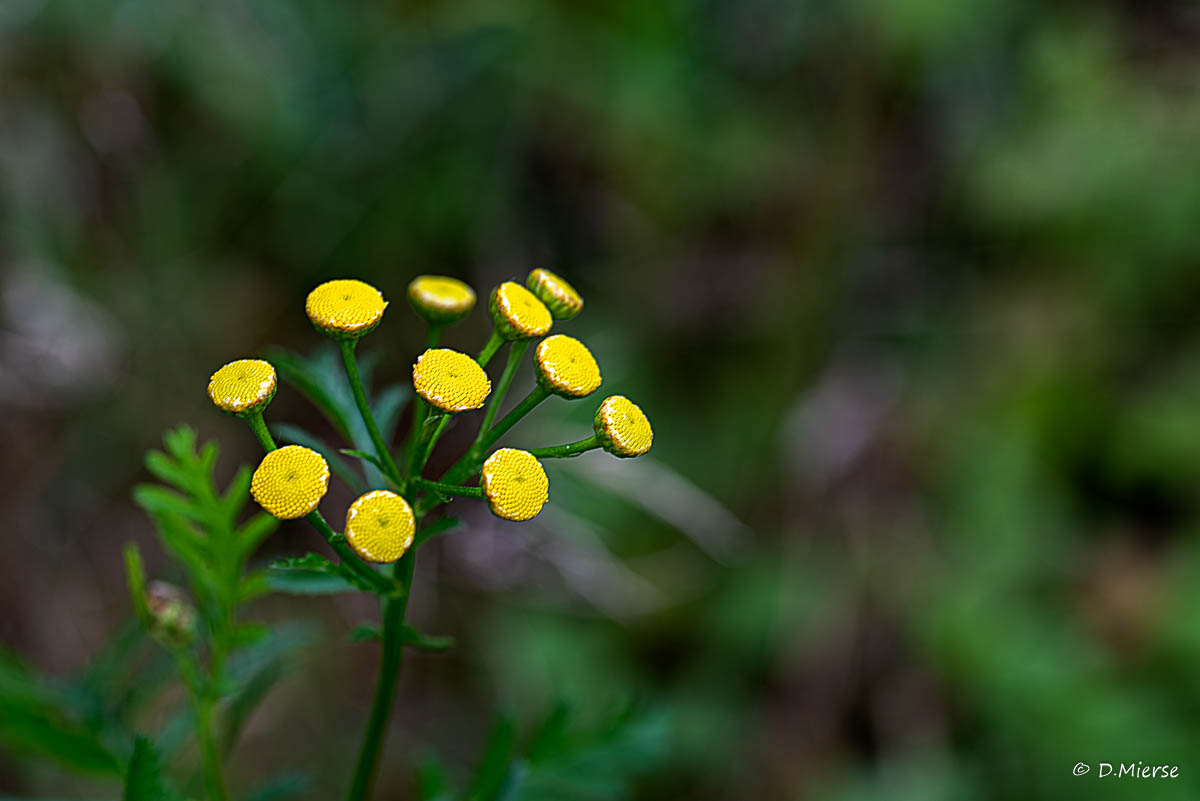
(345, 308)
(451, 381)
(517, 312)
(380, 526)
(243, 386)
(566, 367)
(290, 482)
(622, 427)
(441, 299)
(560, 297)
(514, 484)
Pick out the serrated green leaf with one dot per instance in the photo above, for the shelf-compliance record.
(237, 494)
(254, 532)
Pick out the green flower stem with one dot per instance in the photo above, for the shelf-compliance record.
(420, 414)
(347, 554)
(429, 446)
(570, 449)
(433, 336)
(447, 489)
(391, 658)
(469, 463)
(364, 409)
(515, 354)
(535, 396)
(259, 427)
(489, 350)
(214, 782)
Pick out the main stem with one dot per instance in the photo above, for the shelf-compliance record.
(391, 658)
(214, 783)
(364, 410)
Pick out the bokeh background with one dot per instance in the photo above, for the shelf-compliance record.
(910, 290)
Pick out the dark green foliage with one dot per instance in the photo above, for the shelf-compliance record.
(313, 574)
(559, 763)
(144, 780)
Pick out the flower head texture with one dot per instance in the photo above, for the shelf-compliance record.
(380, 526)
(622, 427)
(290, 482)
(566, 367)
(440, 299)
(451, 381)
(244, 386)
(514, 484)
(517, 313)
(345, 309)
(560, 297)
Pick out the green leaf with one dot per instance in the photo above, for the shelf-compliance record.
(143, 779)
(135, 578)
(254, 532)
(319, 378)
(436, 528)
(433, 783)
(365, 632)
(493, 770)
(366, 457)
(39, 719)
(425, 642)
(313, 574)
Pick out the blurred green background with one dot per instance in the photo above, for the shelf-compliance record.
(910, 291)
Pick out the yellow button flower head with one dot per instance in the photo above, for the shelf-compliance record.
(345, 309)
(566, 367)
(514, 484)
(451, 381)
(517, 312)
(244, 386)
(290, 482)
(560, 297)
(622, 427)
(380, 526)
(440, 299)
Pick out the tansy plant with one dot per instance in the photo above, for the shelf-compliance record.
(397, 511)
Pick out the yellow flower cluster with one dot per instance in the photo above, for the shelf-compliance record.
(560, 297)
(566, 367)
(440, 299)
(517, 313)
(451, 381)
(290, 482)
(514, 484)
(345, 308)
(380, 526)
(243, 386)
(622, 428)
